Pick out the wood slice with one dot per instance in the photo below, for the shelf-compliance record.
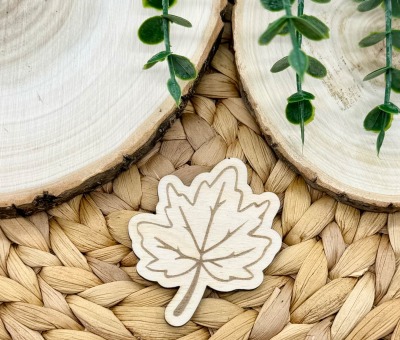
(76, 106)
(339, 156)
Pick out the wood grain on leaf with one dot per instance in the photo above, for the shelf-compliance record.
(85, 126)
(229, 257)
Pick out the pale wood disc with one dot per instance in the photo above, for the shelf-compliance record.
(339, 156)
(74, 99)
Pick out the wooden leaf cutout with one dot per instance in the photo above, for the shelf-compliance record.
(213, 233)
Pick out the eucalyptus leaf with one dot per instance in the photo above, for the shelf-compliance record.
(368, 5)
(284, 30)
(396, 38)
(177, 20)
(280, 65)
(396, 8)
(376, 73)
(184, 69)
(160, 56)
(372, 39)
(156, 3)
(175, 90)
(379, 141)
(375, 120)
(151, 31)
(389, 108)
(317, 23)
(293, 112)
(300, 96)
(315, 68)
(308, 29)
(299, 61)
(273, 5)
(272, 30)
(395, 80)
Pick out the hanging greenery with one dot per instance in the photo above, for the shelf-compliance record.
(157, 29)
(299, 109)
(379, 119)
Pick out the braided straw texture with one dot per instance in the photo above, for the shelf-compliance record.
(70, 274)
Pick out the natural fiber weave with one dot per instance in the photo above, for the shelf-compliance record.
(70, 274)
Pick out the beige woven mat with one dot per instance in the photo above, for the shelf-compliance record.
(70, 274)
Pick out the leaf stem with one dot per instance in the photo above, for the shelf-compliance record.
(300, 10)
(296, 38)
(183, 305)
(388, 86)
(167, 42)
(389, 49)
(292, 30)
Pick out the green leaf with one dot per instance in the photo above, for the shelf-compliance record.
(300, 96)
(322, 1)
(311, 27)
(272, 30)
(151, 31)
(372, 39)
(156, 3)
(177, 20)
(396, 8)
(376, 73)
(293, 112)
(395, 80)
(389, 108)
(396, 38)
(315, 68)
(284, 30)
(299, 61)
(317, 23)
(175, 90)
(273, 5)
(368, 5)
(379, 141)
(160, 56)
(184, 69)
(280, 65)
(374, 120)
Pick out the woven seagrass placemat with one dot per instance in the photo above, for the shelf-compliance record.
(70, 273)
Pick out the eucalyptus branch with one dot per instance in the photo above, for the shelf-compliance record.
(379, 119)
(167, 40)
(389, 49)
(299, 109)
(157, 29)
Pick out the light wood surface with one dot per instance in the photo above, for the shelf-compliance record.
(214, 233)
(74, 99)
(339, 156)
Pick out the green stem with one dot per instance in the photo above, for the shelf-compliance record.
(296, 38)
(388, 86)
(300, 11)
(292, 30)
(167, 42)
(389, 49)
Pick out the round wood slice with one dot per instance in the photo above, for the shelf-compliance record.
(339, 156)
(76, 106)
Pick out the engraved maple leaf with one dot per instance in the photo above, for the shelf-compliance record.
(213, 233)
